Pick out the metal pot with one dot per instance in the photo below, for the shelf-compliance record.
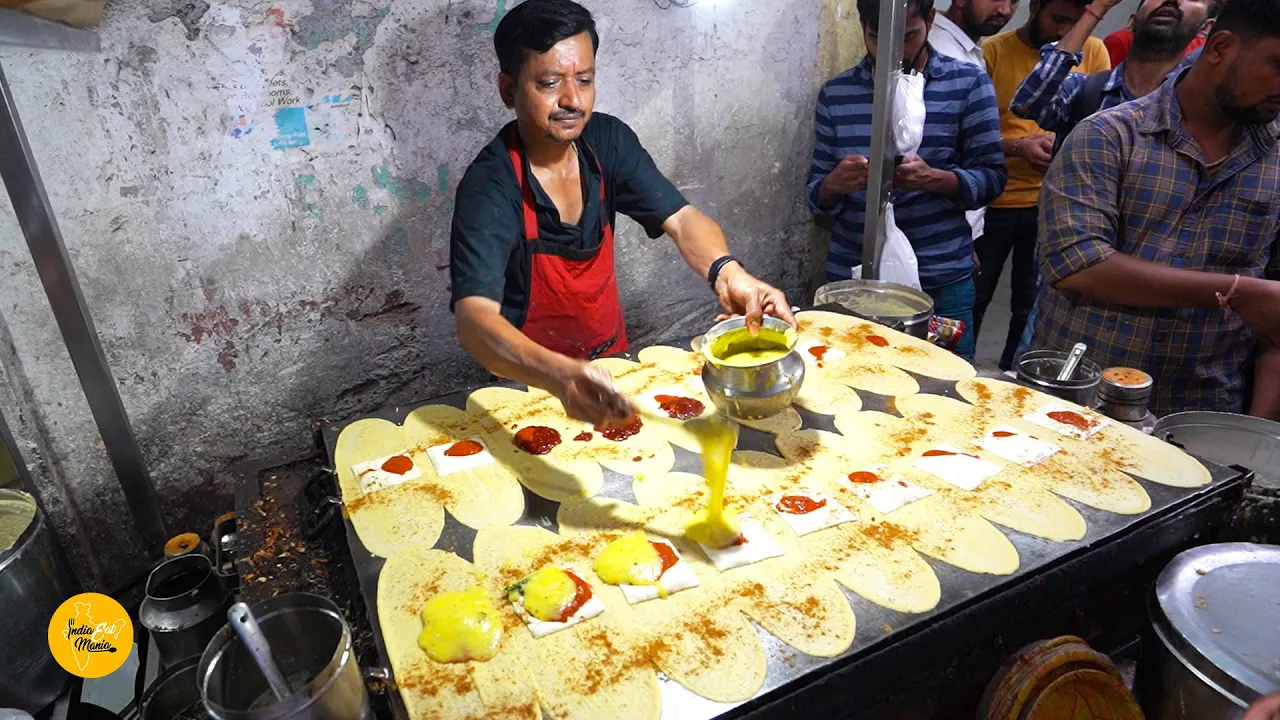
(1217, 633)
(1039, 369)
(1226, 438)
(311, 644)
(897, 306)
(758, 391)
(34, 581)
(174, 694)
(185, 606)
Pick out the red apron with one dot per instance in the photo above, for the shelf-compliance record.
(573, 305)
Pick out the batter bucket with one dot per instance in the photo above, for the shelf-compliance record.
(311, 644)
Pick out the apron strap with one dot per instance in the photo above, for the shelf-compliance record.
(526, 188)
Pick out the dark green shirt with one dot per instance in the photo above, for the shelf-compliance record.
(488, 254)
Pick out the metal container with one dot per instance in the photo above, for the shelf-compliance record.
(758, 391)
(1226, 438)
(1217, 627)
(174, 695)
(1123, 393)
(1039, 369)
(34, 581)
(897, 306)
(185, 606)
(311, 644)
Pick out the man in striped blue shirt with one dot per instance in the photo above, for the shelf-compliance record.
(959, 167)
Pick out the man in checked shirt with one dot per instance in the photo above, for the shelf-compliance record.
(1159, 228)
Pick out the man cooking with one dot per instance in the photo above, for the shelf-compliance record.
(535, 292)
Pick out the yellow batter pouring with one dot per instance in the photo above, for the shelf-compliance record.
(715, 527)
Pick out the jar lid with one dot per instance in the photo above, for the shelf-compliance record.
(1126, 384)
(1215, 609)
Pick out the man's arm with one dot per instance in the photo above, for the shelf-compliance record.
(1078, 219)
(586, 391)
(982, 173)
(1266, 382)
(1046, 94)
(823, 200)
(701, 242)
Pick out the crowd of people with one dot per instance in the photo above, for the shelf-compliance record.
(1134, 183)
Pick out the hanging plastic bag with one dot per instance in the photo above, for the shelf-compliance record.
(898, 262)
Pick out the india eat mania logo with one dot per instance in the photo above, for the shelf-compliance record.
(90, 635)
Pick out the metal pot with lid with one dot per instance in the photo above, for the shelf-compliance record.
(34, 581)
(897, 306)
(1217, 628)
(1225, 438)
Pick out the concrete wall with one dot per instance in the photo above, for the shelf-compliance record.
(257, 196)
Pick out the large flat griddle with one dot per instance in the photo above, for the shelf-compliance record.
(796, 682)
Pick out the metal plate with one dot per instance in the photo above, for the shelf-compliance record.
(1226, 438)
(788, 670)
(1217, 606)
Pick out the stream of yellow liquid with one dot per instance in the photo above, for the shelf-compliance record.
(715, 526)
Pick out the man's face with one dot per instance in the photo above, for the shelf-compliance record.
(916, 36)
(1248, 88)
(555, 92)
(1051, 20)
(987, 17)
(1169, 23)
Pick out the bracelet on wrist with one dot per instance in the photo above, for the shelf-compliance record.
(1089, 9)
(713, 273)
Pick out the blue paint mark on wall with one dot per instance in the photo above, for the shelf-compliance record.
(291, 129)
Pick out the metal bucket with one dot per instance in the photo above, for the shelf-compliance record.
(1039, 369)
(757, 391)
(1226, 438)
(185, 606)
(34, 581)
(897, 306)
(312, 646)
(173, 695)
(1217, 639)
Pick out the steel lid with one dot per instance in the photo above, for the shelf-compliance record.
(1217, 609)
(1226, 439)
(876, 300)
(1126, 384)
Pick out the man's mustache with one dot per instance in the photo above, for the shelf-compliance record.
(567, 115)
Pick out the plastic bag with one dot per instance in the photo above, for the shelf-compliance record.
(898, 262)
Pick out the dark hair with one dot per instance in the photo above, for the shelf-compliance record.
(535, 26)
(869, 11)
(1252, 19)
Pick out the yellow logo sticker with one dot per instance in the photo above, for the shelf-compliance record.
(90, 635)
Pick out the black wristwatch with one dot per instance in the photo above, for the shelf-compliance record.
(714, 273)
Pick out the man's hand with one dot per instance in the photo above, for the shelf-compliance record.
(1258, 302)
(1036, 150)
(741, 293)
(848, 176)
(1102, 6)
(914, 174)
(588, 393)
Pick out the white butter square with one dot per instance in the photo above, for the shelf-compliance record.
(830, 514)
(889, 494)
(677, 577)
(964, 471)
(1016, 446)
(541, 628)
(373, 478)
(447, 465)
(1041, 418)
(806, 349)
(759, 545)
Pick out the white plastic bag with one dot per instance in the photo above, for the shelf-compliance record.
(898, 262)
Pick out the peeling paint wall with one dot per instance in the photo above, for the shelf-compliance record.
(256, 197)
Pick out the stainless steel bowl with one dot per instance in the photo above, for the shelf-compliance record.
(897, 306)
(1039, 369)
(758, 391)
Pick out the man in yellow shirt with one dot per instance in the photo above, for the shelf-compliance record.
(1011, 219)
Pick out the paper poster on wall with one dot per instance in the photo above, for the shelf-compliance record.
(291, 129)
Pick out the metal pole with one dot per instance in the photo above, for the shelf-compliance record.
(35, 215)
(889, 37)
